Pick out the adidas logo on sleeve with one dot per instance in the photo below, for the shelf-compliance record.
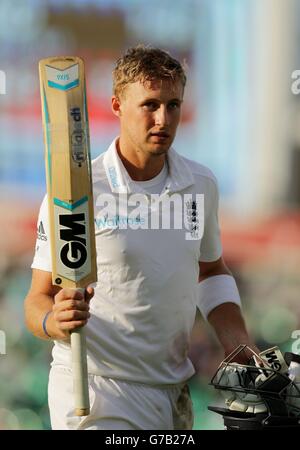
(41, 235)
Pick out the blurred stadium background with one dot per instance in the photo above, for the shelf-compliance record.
(240, 118)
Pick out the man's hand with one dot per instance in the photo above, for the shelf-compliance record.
(244, 355)
(70, 311)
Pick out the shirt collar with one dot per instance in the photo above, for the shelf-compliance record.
(179, 177)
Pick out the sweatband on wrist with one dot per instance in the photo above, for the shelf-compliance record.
(44, 324)
(215, 290)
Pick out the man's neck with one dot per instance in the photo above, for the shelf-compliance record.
(140, 169)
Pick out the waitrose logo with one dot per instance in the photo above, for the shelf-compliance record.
(117, 221)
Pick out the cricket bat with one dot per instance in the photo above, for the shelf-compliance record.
(70, 195)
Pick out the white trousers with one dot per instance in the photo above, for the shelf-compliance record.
(119, 405)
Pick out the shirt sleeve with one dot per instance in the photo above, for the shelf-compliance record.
(211, 246)
(42, 256)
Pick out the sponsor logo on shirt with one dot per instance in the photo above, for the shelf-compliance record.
(41, 235)
(117, 221)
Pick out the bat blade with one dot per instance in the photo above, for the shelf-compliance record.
(68, 171)
(70, 194)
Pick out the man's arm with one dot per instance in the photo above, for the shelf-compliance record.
(226, 318)
(230, 327)
(68, 309)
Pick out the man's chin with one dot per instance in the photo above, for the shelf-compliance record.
(159, 149)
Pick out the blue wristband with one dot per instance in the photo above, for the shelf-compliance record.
(44, 324)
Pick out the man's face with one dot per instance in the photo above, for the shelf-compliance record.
(149, 115)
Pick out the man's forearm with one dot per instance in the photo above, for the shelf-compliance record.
(229, 325)
(35, 311)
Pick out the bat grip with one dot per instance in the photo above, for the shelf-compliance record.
(80, 372)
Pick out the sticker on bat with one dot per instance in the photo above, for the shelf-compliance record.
(78, 136)
(72, 244)
(62, 79)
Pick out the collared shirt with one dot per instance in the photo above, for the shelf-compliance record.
(148, 253)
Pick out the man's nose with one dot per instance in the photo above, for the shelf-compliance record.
(162, 116)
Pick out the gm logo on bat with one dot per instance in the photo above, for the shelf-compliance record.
(272, 360)
(74, 253)
(72, 245)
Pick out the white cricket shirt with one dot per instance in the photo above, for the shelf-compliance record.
(145, 299)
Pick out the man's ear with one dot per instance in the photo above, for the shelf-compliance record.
(116, 106)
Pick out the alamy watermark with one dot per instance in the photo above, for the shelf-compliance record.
(2, 82)
(295, 87)
(296, 344)
(2, 343)
(140, 211)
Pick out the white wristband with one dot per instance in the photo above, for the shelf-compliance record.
(215, 290)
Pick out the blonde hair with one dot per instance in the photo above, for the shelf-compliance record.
(144, 64)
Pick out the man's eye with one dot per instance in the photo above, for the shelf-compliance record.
(174, 105)
(150, 105)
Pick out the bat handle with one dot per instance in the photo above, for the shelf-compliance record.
(80, 372)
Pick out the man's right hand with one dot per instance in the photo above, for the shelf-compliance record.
(70, 311)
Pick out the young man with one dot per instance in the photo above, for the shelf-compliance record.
(140, 316)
